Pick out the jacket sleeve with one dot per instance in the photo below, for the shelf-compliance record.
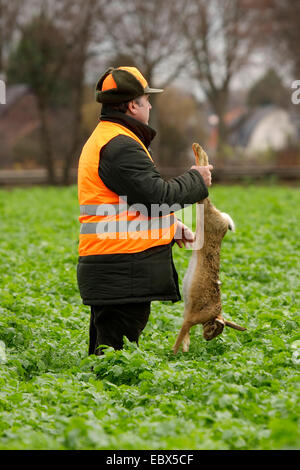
(126, 169)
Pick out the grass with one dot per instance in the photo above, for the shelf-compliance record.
(239, 391)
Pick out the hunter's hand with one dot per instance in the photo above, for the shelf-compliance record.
(204, 172)
(183, 235)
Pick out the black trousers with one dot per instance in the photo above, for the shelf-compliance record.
(109, 323)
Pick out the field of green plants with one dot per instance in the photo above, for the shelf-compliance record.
(239, 391)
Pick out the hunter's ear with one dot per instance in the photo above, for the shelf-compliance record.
(132, 107)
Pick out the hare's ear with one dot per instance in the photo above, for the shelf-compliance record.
(235, 326)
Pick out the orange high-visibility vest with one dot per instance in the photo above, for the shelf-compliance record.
(108, 225)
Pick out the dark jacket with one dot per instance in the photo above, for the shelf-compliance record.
(125, 168)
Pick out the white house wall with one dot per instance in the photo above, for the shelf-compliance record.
(272, 131)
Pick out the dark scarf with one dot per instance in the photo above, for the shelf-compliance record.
(144, 132)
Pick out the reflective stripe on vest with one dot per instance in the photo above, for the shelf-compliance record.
(135, 225)
(102, 209)
(108, 225)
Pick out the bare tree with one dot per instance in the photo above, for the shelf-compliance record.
(220, 36)
(51, 57)
(285, 31)
(37, 61)
(83, 24)
(148, 32)
(9, 16)
(77, 20)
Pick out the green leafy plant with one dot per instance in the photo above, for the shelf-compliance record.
(239, 391)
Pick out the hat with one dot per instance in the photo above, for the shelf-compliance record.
(118, 85)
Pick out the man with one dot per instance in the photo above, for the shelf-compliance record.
(125, 252)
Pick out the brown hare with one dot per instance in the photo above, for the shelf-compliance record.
(201, 284)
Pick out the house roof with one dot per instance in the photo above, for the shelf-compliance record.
(243, 127)
(13, 93)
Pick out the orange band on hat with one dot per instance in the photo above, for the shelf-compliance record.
(109, 83)
(134, 71)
